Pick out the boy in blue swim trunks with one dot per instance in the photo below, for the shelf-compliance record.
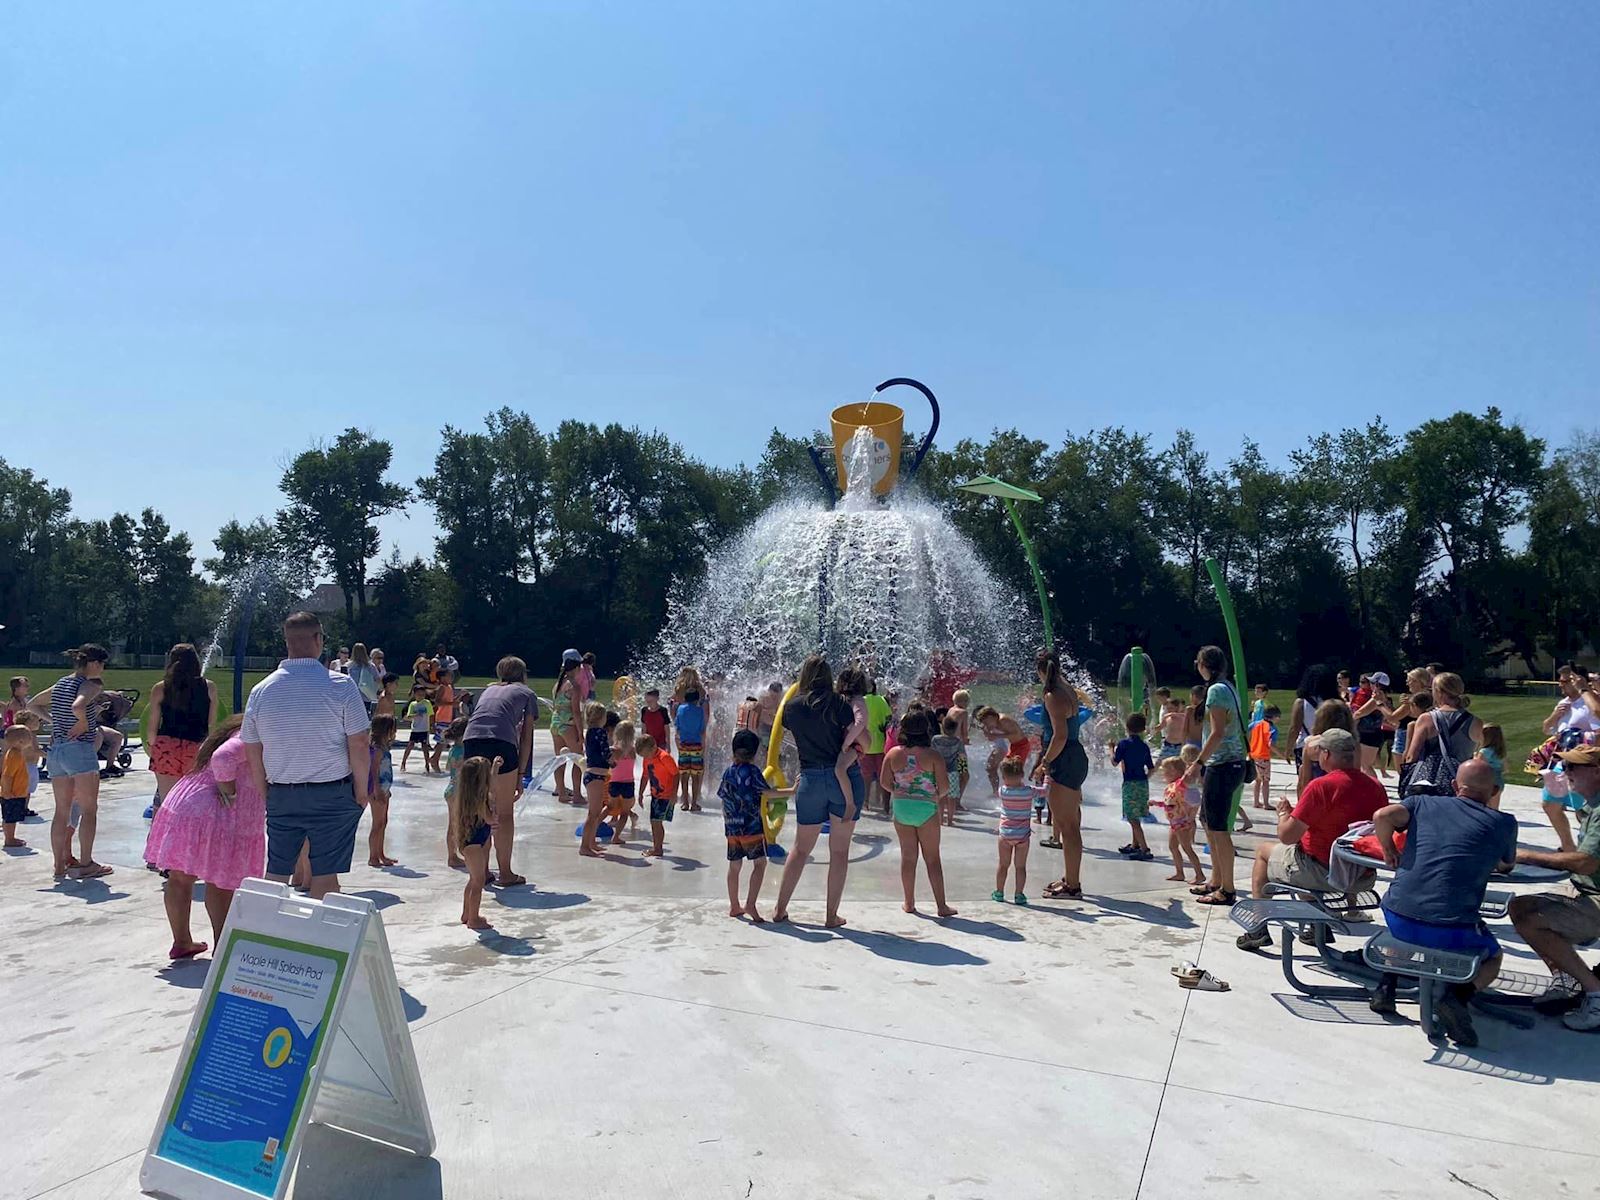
(740, 792)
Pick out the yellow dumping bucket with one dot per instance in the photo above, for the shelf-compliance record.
(887, 422)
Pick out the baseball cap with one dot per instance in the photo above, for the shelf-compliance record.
(1583, 756)
(570, 658)
(1337, 741)
(1381, 679)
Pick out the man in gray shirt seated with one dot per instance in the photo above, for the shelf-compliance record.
(1453, 844)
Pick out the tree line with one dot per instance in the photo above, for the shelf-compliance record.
(1464, 540)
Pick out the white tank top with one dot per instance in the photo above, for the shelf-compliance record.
(1579, 717)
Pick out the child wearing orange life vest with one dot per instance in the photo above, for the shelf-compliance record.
(1262, 734)
(658, 776)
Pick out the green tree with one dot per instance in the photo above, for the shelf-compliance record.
(336, 494)
(1466, 481)
(1356, 468)
(168, 587)
(33, 519)
(1564, 551)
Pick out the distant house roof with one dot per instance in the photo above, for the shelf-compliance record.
(325, 598)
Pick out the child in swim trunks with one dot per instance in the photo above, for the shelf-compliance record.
(1133, 756)
(658, 777)
(948, 746)
(1180, 820)
(914, 775)
(691, 722)
(740, 792)
(961, 709)
(1015, 833)
(1173, 721)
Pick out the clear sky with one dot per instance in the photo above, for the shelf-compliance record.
(226, 229)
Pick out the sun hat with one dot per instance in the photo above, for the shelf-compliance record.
(1583, 756)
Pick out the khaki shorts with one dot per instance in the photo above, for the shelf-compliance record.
(1293, 866)
(1574, 918)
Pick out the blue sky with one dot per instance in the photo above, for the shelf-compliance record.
(228, 229)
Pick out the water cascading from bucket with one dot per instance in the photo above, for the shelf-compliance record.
(889, 584)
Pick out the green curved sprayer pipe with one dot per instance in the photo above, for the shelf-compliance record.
(1235, 649)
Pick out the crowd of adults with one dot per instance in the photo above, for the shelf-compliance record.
(281, 788)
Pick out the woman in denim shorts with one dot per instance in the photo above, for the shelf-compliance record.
(74, 766)
(819, 719)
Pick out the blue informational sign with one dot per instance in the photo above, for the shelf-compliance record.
(266, 1018)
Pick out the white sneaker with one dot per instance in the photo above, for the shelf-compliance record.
(1585, 1018)
(1561, 984)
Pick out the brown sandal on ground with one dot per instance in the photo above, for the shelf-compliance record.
(1219, 899)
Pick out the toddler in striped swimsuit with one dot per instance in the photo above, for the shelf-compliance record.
(1016, 833)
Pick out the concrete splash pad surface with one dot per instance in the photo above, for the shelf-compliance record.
(618, 1034)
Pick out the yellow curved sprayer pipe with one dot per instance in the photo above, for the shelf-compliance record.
(773, 808)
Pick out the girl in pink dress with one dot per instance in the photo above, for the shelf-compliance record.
(211, 826)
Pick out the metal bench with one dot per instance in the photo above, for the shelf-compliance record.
(1432, 969)
(1304, 917)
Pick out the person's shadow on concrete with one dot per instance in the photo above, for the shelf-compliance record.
(90, 891)
(681, 863)
(404, 872)
(798, 932)
(504, 943)
(909, 950)
(988, 929)
(187, 973)
(529, 899)
(380, 900)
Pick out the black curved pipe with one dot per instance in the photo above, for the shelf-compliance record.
(927, 442)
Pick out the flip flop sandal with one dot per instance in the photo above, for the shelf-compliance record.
(1204, 982)
(1050, 844)
(1062, 890)
(94, 872)
(1219, 899)
(1201, 889)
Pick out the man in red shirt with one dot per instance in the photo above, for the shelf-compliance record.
(1306, 833)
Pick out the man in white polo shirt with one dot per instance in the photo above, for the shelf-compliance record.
(306, 734)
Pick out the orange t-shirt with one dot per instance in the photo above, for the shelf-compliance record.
(660, 771)
(14, 776)
(1261, 741)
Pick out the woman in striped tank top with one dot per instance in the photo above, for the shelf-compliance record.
(74, 767)
(914, 774)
